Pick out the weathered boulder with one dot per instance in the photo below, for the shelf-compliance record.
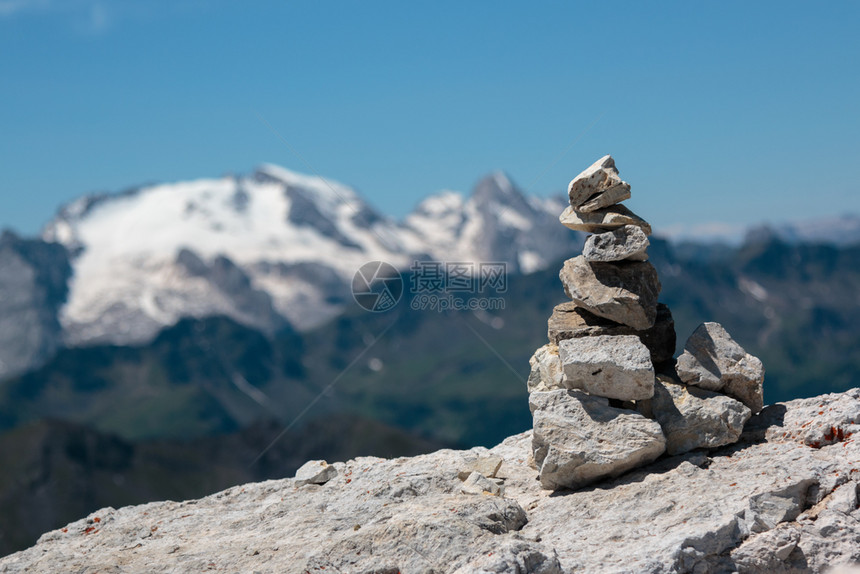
(578, 438)
(601, 220)
(712, 360)
(597, 178)
(628, 242)
(624, 292)
(315, 472)
(694, 418)
(570, 321)
(546, 373)
(615, 367)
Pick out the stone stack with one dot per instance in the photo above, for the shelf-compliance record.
(606, 394)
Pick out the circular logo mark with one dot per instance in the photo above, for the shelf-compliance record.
(377, 286)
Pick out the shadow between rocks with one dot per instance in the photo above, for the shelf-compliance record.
(662, 465)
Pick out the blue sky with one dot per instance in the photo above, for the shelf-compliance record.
(733, 112)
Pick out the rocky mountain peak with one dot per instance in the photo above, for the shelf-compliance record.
(498, 190)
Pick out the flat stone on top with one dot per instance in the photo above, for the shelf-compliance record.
(596, 178)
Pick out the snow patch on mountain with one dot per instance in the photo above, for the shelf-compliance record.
(271, 248)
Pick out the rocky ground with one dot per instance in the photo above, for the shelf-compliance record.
(783, 499)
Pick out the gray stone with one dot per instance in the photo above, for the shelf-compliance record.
(546, 373)
(611, 196)
(477, 483)
(767, 551)
(683, 513)
(486, 465)
(628, 242)
(714, 361)
(615, 367)
(578, 439)
(596, 178)
(569, 321)
(624, 292)
(767, 509)
(694, 418)
(844, 499)
(602, 220)
(315, 472)
(514, 557)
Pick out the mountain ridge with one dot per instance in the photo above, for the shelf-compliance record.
(129, 250)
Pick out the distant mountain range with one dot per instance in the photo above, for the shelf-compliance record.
(269, 249)
(841, 230)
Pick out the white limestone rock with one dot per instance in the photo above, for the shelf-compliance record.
(579, 438)
(477, 483)
(694, 418)
(315, 472)
(615, 367)
(713, 361)
(487, 465)
(597, 178)
(546, 373)
(768, 551)
(625, 243)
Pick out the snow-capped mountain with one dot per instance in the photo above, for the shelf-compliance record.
(271, 248)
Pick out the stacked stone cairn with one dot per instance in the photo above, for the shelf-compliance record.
(606, 394)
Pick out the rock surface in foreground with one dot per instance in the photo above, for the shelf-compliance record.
(780, 501)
